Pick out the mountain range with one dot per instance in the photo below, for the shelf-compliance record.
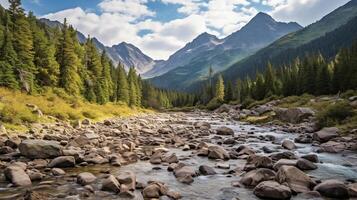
(191, 63)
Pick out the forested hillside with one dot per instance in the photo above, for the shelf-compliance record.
(34, 57)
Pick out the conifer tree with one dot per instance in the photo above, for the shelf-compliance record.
(122, 92)
(219, 89)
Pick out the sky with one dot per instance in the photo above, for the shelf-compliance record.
(161, 27)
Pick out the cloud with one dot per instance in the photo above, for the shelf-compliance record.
(133, 8)
(4, 3)
(304, 12)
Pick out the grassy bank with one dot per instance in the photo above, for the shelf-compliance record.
(17, 109)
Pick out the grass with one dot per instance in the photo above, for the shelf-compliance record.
(15, 115)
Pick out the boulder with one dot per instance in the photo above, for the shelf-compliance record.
(184, 174)
(62, 161)
(224, 131)
(294, 115)
(272, 190)
(311, 157)
(332, 147)
(304, 164)
(85, 178)
(202, 125)
(156, 158)
(128, 179)
(297, 180)
(326, 134)
(283, 162)
(217, 152)
(333, 189)
(40, 149)
(288, 144)
(17, 175)
(155, 190)
(254, 177)
(352, 190)
(206, 170)
(171, 159)
(225, 108)
(111, 184)
(258, 161)
(58, 172)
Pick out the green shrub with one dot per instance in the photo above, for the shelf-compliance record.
(334, 114)
(90, 114)
(247, 102)
(17, 114)
(213, 104)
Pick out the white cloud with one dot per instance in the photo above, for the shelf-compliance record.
(4, 3)
(123, 20)
(304, 12)
(133, 8)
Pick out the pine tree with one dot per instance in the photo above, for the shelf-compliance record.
(23, 45)
(229, 92)
(68, 61)
(219, 89)
(122, 92)
(8, 60)
(133, 87)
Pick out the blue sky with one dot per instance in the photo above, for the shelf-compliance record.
(161, 27)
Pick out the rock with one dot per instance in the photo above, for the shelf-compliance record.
(294, 115)
(224, 131)
(17, 176)
(304, 139)
(332, 147)
(311, 158)
(111, 184)
(297, 180)
(217, 152)
(221, 165)
(127, 178)
(288, 144)
(35, 175)
(326, 134)
(254, 177)
(263, 109)
(272, 190)
(13, 142)
(258, 161)
(202, 125)
(283, 162)
(171, 159)
(304, 164)
(155, 190)
(156, 158)
(174, 195)
(352, 190)
(40, 149)
(85, 178)
(62, 161)
(86, 122)
(58, 172)
(283, 155)
(6, 150)
(223, 109)
(184, 174)
(332, 189)
(206, 170)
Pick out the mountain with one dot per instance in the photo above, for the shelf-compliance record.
(125, 53)
(191, 64)
(334, 31)
(202, 43)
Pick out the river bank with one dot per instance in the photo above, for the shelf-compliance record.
(195, 155)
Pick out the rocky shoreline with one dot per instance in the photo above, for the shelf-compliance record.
(92, 161)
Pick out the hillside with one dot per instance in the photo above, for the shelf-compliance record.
(220, 54)
(332, 32)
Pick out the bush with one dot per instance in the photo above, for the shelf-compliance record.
(17, 114)
(334, 114)
(213, 104)
(90, 114)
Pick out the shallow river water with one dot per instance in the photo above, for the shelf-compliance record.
(214, 187)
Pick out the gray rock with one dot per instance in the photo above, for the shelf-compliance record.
(332, 147)
(297, 180)
(272, 190)
(17, 176)
(111, 184)
(326, 134)
(224, 131)
(58, 172)
(85, 178)
(311, 158)
(62, 161)
(254, 177)
(294, 115)
(206, 170)
(217, 152)
(304, 164)
(333, 189)
(128, 179)
(40, 149)
(288, 144)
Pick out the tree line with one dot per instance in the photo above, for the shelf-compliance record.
(312, 74)
(34, 56)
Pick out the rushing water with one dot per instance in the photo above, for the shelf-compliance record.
(219, 186)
